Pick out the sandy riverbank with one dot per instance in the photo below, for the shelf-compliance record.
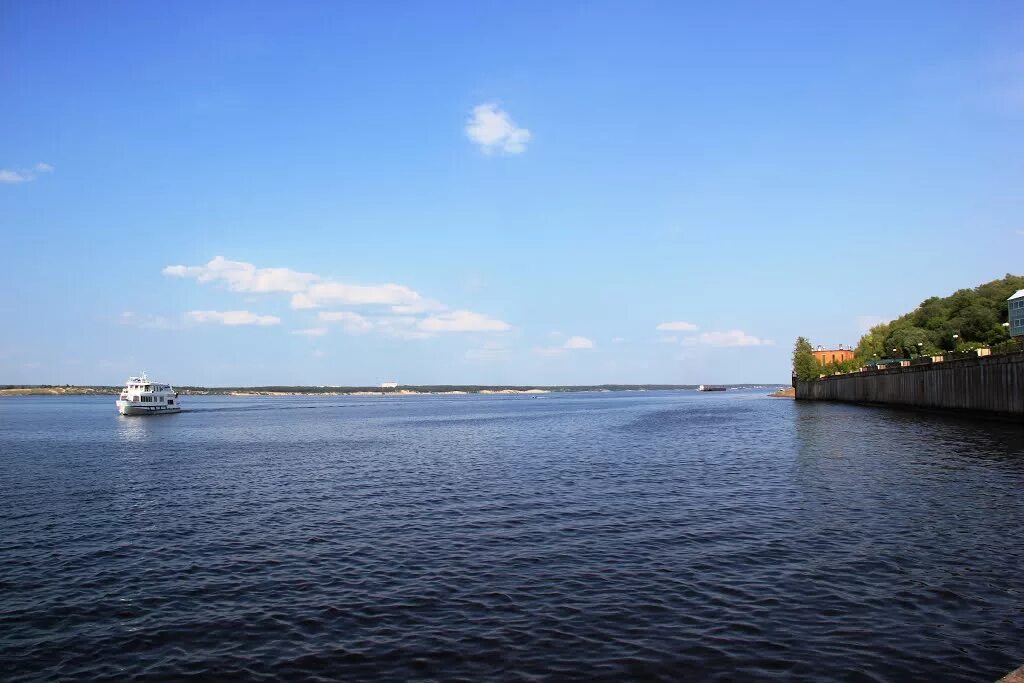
(61, 391)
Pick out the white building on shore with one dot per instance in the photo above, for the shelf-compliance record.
(1016, 306)
(389, 385)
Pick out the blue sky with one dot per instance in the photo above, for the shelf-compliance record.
(493, 193)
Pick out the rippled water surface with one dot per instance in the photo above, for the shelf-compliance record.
(616, 536)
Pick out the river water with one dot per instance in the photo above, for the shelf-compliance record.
(613, 536)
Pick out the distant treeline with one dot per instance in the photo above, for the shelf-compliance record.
(439, 388)
(422, 388)
(92, 387)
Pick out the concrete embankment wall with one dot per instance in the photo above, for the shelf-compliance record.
(986, 385)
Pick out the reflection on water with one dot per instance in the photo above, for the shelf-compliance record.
(661, 535)
(136, 430)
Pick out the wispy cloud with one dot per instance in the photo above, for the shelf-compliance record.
(462, 321)
(578, 343)
(146, 321)
(677, 326)
(340, 293)
(312, 331)
(729, 338)
(400, 326)
(494, 130)
(574, 343)
(245, 277)
(420, 306)
(490, 351)
(23, 175)
(353, 323)
(394, 309)
(232, 318)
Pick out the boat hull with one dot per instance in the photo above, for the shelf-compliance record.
(132, 408)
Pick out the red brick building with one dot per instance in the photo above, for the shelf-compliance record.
(826, 356)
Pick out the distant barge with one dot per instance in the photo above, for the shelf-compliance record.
(710, 387)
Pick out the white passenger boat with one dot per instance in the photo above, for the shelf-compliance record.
(141, 396)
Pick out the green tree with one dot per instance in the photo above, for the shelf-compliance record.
(805, 365)
(909, 341)
(968, 318)
(872, 345)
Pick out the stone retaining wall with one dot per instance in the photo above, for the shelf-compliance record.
(985, 384)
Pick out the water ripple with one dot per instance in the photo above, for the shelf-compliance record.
(660, 536)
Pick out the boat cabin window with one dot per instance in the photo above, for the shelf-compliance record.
(170, 401)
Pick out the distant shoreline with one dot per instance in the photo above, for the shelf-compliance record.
(440, 389)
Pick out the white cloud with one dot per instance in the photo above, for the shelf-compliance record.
(618, 340)
(245, 277)
(493, 129)
(578, 343)
(232, 318)
(462, 321)
(344, 294)
(726, 339)
(353, 323)
(421, 306)
(413, 316)
(302, 301)
(401, 326)
(312, 331)
(668, 339)
(573, 343)
(678, 326)
(24, 175)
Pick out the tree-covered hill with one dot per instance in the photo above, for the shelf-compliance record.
(975, 316)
